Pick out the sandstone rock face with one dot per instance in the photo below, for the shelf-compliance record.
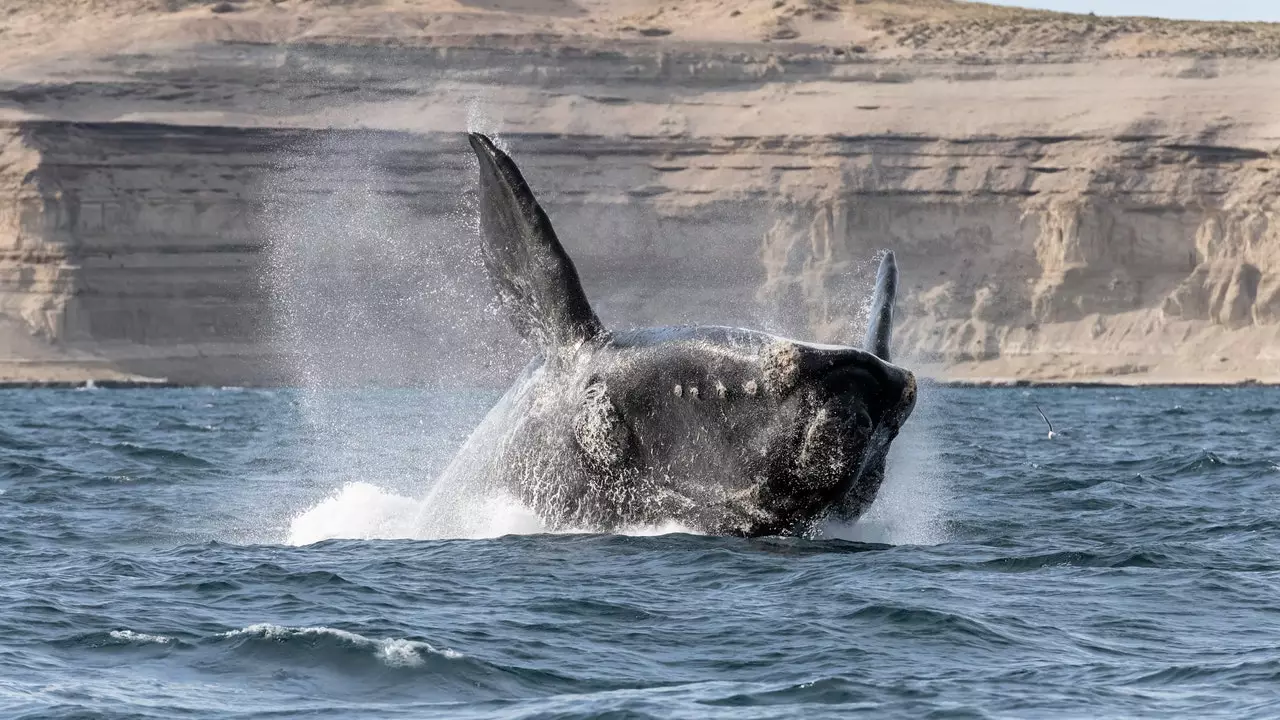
(232, 207)
(134, 243)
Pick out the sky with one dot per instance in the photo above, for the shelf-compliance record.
(1268, 10)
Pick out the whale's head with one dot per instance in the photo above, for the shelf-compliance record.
(727, 430)
(737, 431)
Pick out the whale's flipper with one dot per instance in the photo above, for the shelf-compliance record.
(880, 329)
(534, 277)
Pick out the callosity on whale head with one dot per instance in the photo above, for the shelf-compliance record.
(724, 430)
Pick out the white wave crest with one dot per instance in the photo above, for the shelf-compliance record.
(137, 637)
(395, 652)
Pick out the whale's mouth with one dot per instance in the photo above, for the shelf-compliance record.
(859, 383)
(855, 419)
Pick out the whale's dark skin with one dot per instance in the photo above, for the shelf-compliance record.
(721, 430)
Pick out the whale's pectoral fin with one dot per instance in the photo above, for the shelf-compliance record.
(880, 329)
(534, 277)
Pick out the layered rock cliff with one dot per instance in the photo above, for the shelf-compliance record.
(281, 190)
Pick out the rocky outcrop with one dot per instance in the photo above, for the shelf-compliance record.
(1097, 256)
(133, 248)
(218, 210)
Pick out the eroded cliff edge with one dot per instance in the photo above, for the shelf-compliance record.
(1102, 209)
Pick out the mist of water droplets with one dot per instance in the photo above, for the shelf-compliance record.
(378, 284)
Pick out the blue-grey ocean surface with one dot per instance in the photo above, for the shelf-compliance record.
(163, 555)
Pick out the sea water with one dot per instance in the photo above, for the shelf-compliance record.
(209, 553)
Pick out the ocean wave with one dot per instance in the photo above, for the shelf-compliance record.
(920, 619)
(353, 655)
(394, 652)
(1075, 558)
(1191, 464)
(826, 691)
(137, 638)
(121, 638)
(154, 455)
(10, 442)
(1130, 571)
(1251, 671)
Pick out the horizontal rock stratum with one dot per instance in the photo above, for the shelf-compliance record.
(279, 192)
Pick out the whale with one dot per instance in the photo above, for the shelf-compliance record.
(719, 430)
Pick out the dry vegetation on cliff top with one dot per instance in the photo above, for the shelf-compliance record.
(876, 28)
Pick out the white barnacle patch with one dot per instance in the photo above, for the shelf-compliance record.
(598, 428)
(822, 451)
(721, 390)
(780, 366)
(678, 390)
(751, 388)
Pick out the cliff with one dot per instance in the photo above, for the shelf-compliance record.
(266, 192)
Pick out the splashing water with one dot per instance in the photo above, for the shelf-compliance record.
(910, 507)
(372, 291)
(364, 511)
(908, 510)
(369, 288)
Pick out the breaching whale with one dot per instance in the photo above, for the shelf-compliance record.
(722, 430)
